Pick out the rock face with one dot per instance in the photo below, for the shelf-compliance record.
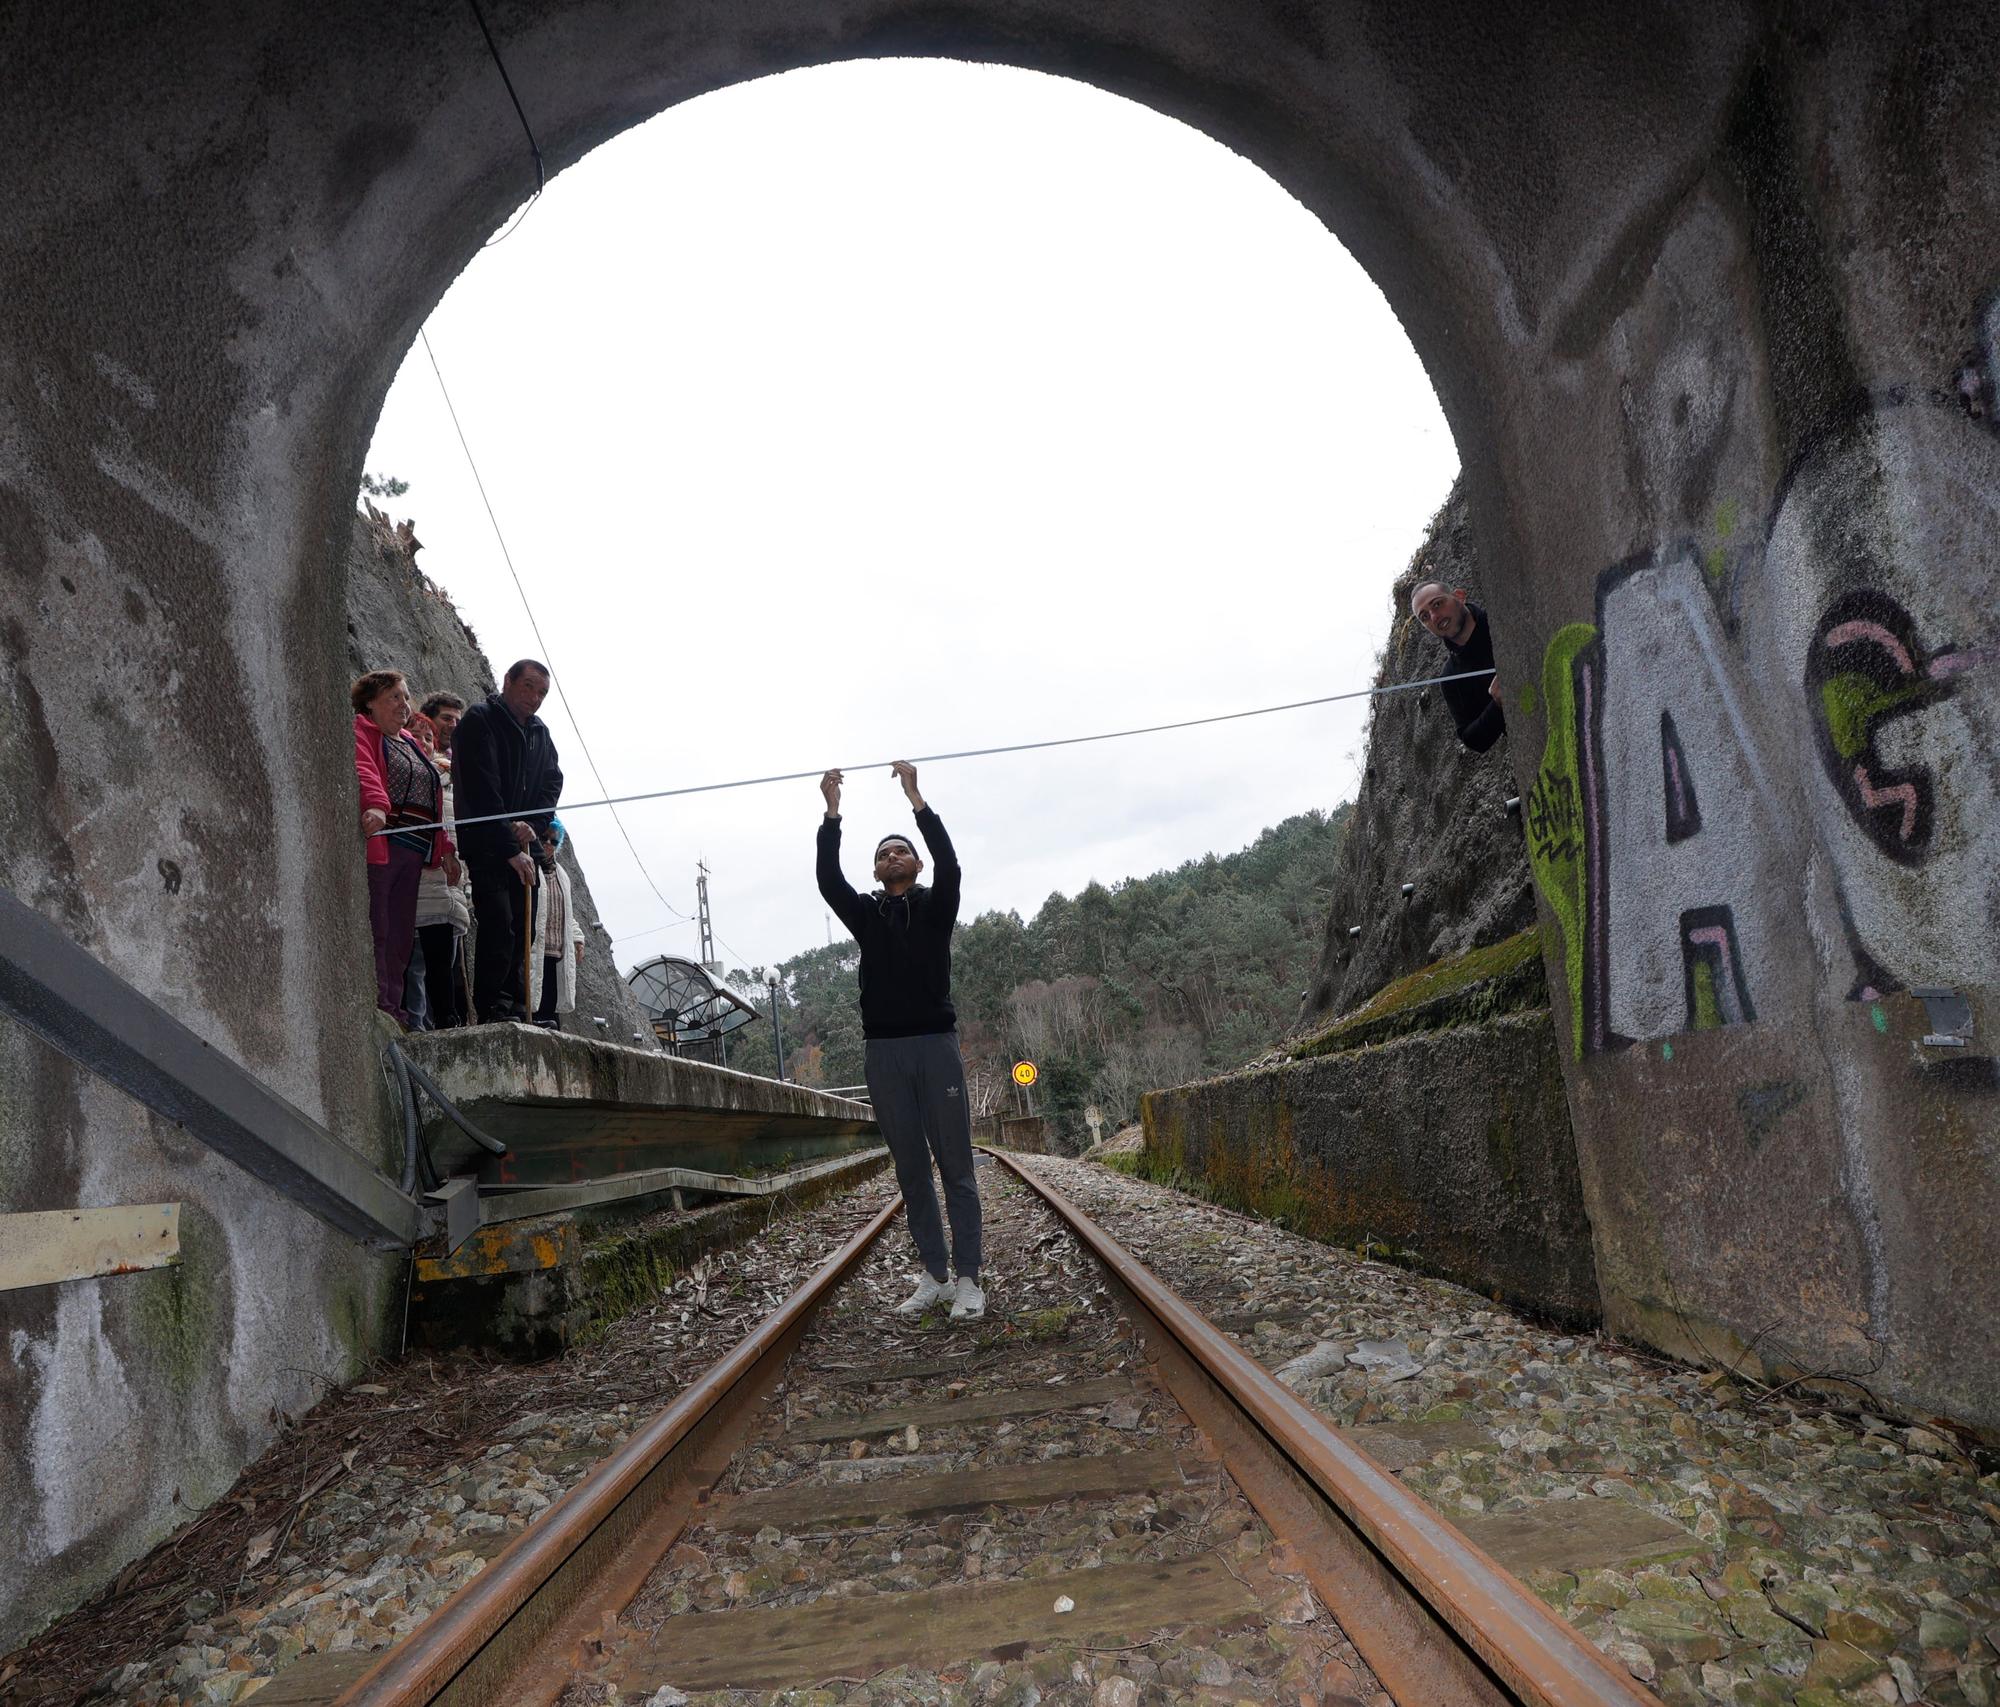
(1429, 1120)
(398, 618)
(1430, 812)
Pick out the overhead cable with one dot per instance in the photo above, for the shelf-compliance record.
(969, 753)
(534, 147)
(556, 680)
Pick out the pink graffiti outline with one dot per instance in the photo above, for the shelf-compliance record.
(1860, 629)
(1903, 793)
(1715, 937)
(1948, 664)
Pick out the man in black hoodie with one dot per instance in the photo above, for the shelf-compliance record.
(1475, 702)
(915, 1077)
(503, 760)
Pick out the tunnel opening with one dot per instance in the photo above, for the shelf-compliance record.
(1082, 407)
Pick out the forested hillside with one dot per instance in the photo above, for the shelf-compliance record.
(1112, 992)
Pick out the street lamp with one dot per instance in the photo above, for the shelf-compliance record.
(777, 1030)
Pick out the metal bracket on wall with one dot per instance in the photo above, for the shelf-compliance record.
(74, 1003)
(1950, 1016)
(456, 1203)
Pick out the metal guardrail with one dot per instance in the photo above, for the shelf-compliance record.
(80, 1007)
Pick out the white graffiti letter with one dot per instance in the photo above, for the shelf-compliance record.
(1691, 821)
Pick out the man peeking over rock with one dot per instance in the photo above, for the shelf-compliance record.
(1475, 704)
(916, 1079)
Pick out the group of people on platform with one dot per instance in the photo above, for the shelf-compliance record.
(473, 915)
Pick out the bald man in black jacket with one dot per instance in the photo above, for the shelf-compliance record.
(1475, 703)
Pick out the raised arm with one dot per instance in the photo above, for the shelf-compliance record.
(944, 858)
(834, 888)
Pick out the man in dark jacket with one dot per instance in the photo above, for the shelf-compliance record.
(1475, 703)
(503, 761)
(915, 1077)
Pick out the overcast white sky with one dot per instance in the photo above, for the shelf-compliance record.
(904, 407)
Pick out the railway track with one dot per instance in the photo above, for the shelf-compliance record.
(1093, 1496)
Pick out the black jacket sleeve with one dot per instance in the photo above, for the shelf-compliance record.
(549, 794)
(834, 888)
(475, 782)
(944, 867)
(1485, 727)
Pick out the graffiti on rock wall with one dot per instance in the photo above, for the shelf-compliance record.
(1883, 562)
(1865, 669)
(1553, 817)
(1709, 789)
(1651, 812)
(1690, 927)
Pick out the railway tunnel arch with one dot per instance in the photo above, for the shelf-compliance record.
(1658, 270)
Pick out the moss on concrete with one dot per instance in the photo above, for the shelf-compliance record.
(623, 1275)
(365, 1309)
(181, 1313)
(1462, 989)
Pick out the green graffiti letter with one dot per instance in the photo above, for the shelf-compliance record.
(1554, 814)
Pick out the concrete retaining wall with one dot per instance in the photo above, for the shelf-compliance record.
(572, 1108)
(1452, 1149)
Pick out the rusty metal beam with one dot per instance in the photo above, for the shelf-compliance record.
(1439, 1620)
(75, 1004)
(518, 1202)
(48, 1246)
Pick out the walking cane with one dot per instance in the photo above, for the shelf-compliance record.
(528, 941)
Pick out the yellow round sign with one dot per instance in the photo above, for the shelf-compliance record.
(1024, 1073)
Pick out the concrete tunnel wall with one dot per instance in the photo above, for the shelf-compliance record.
(1705, 292)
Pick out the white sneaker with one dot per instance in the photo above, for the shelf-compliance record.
(928, 1292)
(970, 1304)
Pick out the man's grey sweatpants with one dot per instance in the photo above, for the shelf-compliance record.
(918, 1087)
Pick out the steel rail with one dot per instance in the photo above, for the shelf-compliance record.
(1488, 1637)
(483, 1634)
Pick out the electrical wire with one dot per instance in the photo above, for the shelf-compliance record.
(969, 753)
(508, 558)
(670, 925)
(534, 147)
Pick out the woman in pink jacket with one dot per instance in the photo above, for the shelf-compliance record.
(399, 785)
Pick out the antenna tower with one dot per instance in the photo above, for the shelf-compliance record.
(708, 960)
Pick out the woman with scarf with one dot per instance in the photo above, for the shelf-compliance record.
(399, 787)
